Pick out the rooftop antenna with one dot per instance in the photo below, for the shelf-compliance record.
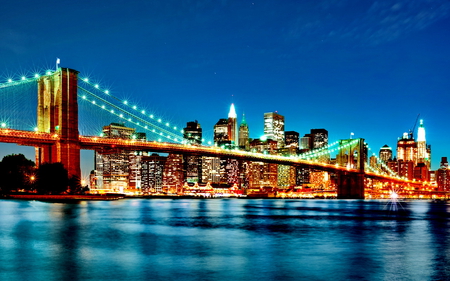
(411, 132)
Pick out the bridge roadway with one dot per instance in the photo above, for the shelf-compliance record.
(106, 145)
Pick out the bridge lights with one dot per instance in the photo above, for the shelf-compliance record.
(9, 80)
(36, 129)
(3, 125)
(36, 75)
(49, 72)
(96, 86)
(23, 78)
(86, 80)
(107, 92)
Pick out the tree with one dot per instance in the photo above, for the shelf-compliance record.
(52, 178)
(75, 186)
(16, 172)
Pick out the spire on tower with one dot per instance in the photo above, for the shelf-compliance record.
(421, 132)
(232, 113)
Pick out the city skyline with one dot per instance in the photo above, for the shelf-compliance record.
(345, 66)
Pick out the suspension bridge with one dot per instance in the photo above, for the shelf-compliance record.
(50, 120)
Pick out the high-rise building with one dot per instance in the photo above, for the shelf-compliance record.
(152, 168)
(443, 176)
(193, 133)
(118, 171)
(221, 132)
(244, 141)
(423, 150)
(319, 138)
(193, 168)
(385, 153)
(407, 148)
(274, 127)
(292, 145)
(173, 176)
(232, 127)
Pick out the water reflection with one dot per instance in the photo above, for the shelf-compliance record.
(224, 239)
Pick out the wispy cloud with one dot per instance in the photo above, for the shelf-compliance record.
(369, 23)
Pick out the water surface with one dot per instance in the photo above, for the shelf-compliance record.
(224, 239)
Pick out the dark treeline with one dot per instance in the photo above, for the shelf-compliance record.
(19, 174)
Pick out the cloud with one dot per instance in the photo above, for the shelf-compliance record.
(367, 23)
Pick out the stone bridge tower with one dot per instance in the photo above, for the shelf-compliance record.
(352, 155)
(57, 113)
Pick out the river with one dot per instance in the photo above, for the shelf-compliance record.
(224, 239)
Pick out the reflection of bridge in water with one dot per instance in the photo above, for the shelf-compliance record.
(56, 138)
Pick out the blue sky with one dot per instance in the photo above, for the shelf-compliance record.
(368, 67)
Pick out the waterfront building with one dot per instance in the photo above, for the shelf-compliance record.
(210, 169)
(274, 127)
(173, 175)
(286, 176)
(152, 168)
(112, 170)
(263, 175)
(192, 168)
(443, 176)
(244, 140)
(193, 133)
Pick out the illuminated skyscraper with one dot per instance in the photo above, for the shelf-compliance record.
(291, 142)
(193, 133)
(221, 132)
(423, 151)
(407, 148)
(274, 127)
(319, 138)
(120, 170)
(173, 175)
(244, 141)
(443, 176)
(232, 125)
(385, 153)
(152, 173)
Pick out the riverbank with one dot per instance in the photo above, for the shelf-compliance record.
(62, 198)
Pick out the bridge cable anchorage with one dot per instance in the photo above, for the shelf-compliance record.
(169, 135)
(122, 102)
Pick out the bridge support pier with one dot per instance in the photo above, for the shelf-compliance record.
(350, 185)
(57, 113)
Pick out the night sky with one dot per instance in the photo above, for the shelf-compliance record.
(367, 67)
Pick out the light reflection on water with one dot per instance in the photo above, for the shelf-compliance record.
(218, 239)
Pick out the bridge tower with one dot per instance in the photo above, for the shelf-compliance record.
(57, 113)
(350, 184)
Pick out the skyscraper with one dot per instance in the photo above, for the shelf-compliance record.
(423, 151)
(221, 132)
(385, 153)
(232, 125)
(113, 170)
(244, 141)
(274, 127)
(193, 133)
(319, 138)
